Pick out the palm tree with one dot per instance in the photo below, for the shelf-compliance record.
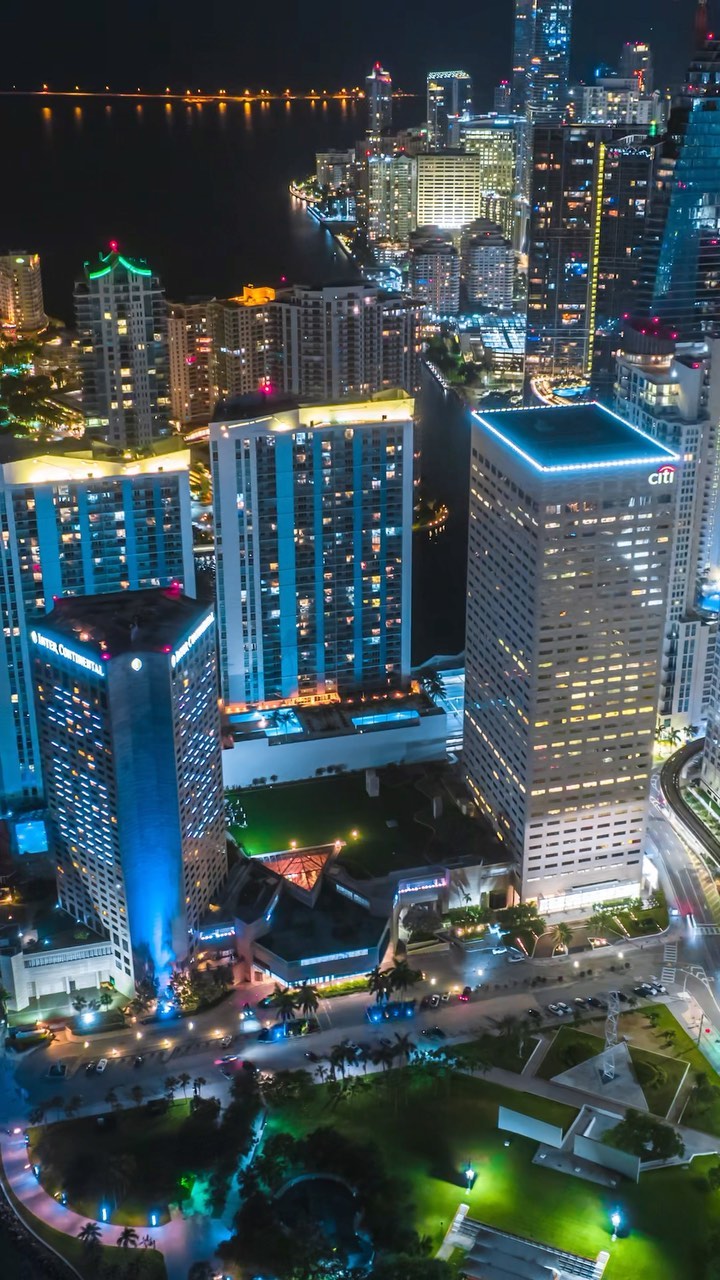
(402, 976)
(72, 1106)
(171, 1084)
(379, 984)
(4, 997)
(340, 1056)
(183, 1081)
(137, 1093)
(90, 1234)
(128, 1238)
(37, 1115)
(105, 999)
(56, 1103)
(307, 999)
(198, 1083)
(404, 1047)
(562, 936)
(147, 1242)
(112, 1099)
(283, 1002)
(79, 1003)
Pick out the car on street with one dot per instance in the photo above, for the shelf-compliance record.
(620, 995)
(90, 1067)
(226, 1040)
(465, 994)
(646, 989)
(102, 1063)
(499, 951)
(444, 997)
(581, 1002)
(534, 1013)
(138, 1060)
(434, 1001)
(434, 1033)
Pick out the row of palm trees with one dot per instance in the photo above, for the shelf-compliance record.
(344, 1055)
(91, 1232)
(382, 983)
(71, 1106)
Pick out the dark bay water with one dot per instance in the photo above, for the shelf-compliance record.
(200, 191)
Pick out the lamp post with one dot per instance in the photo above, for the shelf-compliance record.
(615, 1219)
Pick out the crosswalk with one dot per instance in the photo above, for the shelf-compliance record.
(707, 928)
(669, 962)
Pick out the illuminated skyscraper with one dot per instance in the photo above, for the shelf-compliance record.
(449, 96)
(392, 179)
(571, 527)
(378, 93)
(500, 143)
(448, 190)
(636, 63)
(189, 349)
(127, 697)
(21, 295)
(72, 524)
(681, 254)
(434, 275)
(122, 322)
(313, 526)
(541, 58)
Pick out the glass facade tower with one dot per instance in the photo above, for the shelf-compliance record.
(541, 58)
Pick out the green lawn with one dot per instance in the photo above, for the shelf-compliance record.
(509, 1051)
(80, 1157)
(430, 1130)
(658, 1074)
(91, 1266)
(380, 835)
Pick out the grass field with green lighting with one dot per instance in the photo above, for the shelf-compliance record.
(658, 1074)
(392, 832)
(429, 1130)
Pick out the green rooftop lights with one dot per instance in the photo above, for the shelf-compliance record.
(110, 261)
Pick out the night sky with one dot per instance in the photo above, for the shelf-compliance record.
(309, 43)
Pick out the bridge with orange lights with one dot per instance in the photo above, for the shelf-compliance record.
(200, 95)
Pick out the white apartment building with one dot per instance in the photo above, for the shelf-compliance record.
(571, 525)
(449, 190)
(21, 294)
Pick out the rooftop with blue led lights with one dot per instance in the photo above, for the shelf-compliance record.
(574, 438)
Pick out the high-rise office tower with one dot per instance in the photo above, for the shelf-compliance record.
(488, 267)
(589, 189)
(636, 64)
(571, 526)
(681, 255)
(671, 391)
(121, 317)
(21, 296)
(434, 272)
(502, 98)
(391, 200)
(541, 59)
(127, 697)
(378, 93)
(313, 525)
(189, 353)
(73, 524)
(499, 142)
(449, 96)
(448, 190)
(330, 340)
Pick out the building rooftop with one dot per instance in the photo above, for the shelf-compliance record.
(28, 462)
(126, 621)
(283, 413)
(579, 437)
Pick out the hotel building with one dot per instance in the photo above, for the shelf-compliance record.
(127, 700)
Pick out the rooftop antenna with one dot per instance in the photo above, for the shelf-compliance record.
(701, 24)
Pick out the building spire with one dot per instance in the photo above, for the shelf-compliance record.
(701, 25)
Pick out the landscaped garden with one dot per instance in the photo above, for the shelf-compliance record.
(136, 1162)
(658, 1074)
(380, 834)
(428, 1128)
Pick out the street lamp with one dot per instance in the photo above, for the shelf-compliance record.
(615, 1219)
(469, 1175)
(104, 1212)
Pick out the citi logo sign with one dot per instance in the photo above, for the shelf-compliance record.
(663, 475)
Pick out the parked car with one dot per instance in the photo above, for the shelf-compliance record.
(620, 995)
(434, 1001)
(101, 1066)
(556, 1009)
(466, 993)
(444, 997)
(581, 1002)
(499, 951)
(534, 1013)
(226, 1040)
(138, 1060)
(90, 1067)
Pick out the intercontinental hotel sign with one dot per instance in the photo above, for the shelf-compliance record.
(62, 651)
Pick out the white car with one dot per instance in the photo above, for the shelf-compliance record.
(101, 1066)
(499, 951)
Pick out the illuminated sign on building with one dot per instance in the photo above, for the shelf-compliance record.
(663, 475)
(216, 935)
(338, 955)
(192, 639)
(422, 886)
(55, 646)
